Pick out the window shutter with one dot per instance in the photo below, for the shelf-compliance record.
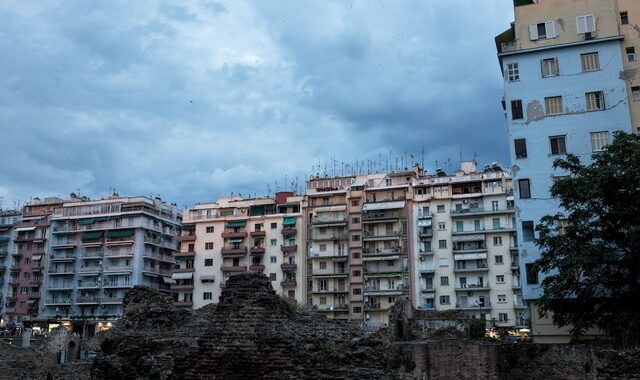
(551, 29)
(581, 24)
(533, 32)
(590, 22)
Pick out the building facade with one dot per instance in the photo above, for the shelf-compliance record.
(8, 219)
(99, 249)
(235, 235)
(566, 90)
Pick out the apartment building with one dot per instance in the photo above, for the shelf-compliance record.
(568, 70)
(8, 218)
(358, 245)
(29, 252)
(465, 245)
(235, 234)
(99, 249)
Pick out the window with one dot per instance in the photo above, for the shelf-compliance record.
(323, 247)
(444, 300)
(357, 309)
(459, 226)
(502, 298)
(558, 145)
(635, 92)
(274, 226)
(355, 237)
(191, 248)
(590, 62)
(553, 105)
(208, 245)
(207, 296)
(322, 285)
(499, 259)
(532, 274)
(516, 110)
(595, 101)
(355, 202)
(274, 242)
(521, 148)
(440, 208)
(496, 223)
(442, 226)
(356, 255)
(527, 230)
(355, 220)
(624, 18)
(272, 259)
(494, 205)
(357, 291)
(356, 273)
(209, 229)
(586, 24)
(524, 187)
(500, 279)
(291, 294)
(542, 30)
(513, 73)
(599, 140)
(497, 240)
(549, 67)
(208, 262)
(322, 265)
(503, 317)
(444, 262)
(631, 54)
(442, 244)
(272, 276)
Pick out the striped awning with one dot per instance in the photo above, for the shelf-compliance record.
(182, 276)
(236, 224)
(120, 233)
(91, 235)
(382, 206)
(85, 222)
(289, 221)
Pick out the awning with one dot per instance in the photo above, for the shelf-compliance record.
(85, 222)
(424, 223)
(358, 183)
(235, 240)
(236, 224)
(31, 302)
(207, 277)
(101, 219)
(4, 238)
(120, 233)
(470, 256)
(330, 208)
(36, 257)
(380, 258)
(289, 221)
(182, 276)
(168, 280)
(382, 206)
(467, 238)
(22, 229)
(91, 235)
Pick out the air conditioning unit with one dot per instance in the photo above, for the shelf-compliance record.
(589, 35)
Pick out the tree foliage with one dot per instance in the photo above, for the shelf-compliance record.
(591, 249)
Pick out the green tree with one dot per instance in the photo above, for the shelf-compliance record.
(591, 249)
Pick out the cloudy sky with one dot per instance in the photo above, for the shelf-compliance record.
(192, 100)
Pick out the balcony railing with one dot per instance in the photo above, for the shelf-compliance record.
(87, 300)
(372, 306)
(256, 267)
(425, 234)
(475, 306)
(289, 248)
(58, 301)
(182, 287)
(289, 266)
(187, 237)
(329, 236)
(289, 283)
(329, 219)
(382, 235)
(234, 234)
(118, 284)
(234, 251)
(288, 231)
(257, 233)
(104, 300)
(229, 268)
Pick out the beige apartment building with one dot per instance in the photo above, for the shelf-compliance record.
(234, 235)
(466, 255)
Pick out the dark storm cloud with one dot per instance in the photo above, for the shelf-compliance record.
(196, 99)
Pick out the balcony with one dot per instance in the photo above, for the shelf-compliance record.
(62, 286)
(88, 285)
(257, 250)
(481, 268)
(15, 268)
(331, 291)
(480, 286)
(425, 234)
(110, 300)
(289, 248)
(13, 281)
(234, 234)
(477, 211)
(325, 273)
(254, 234)
(474, 306)
(120, 268)
(187, 237)
(118, 284)
(62, 257)
(92, 255)
(61, 271)
(256, 267)
(326, 220)
(288, 267)
(427, 289)
(184, 254)
(375, 217)
(469, 249)
(182, 287)
(422, 252)
(183, 270)
(238, 251)
(229, 268)
(332, 308)
(427, 270)
(289, 231)
(36, 280)
(58, 301)
(91, 269)
(183, 304)
(378, 291)
(389, 235)
(372, 306)
(87, 300)
(329, 236)
(289, 283)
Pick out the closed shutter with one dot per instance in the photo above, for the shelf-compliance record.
(533, 32)
(581, 24)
